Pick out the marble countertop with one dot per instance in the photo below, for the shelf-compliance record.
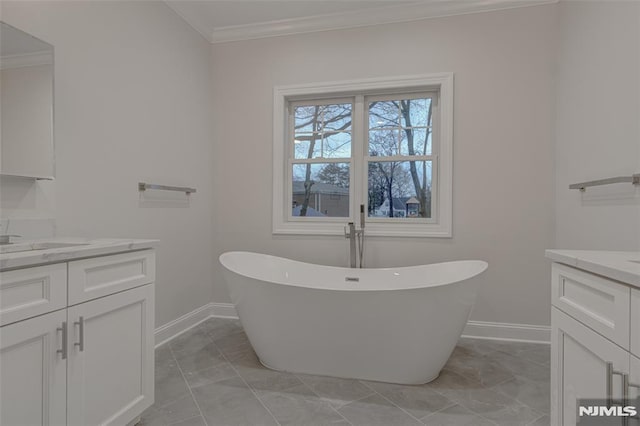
(621, 266)
(65, 249)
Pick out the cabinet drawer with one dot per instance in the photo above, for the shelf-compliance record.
(595, 301)
(101, 276)
(25, 293)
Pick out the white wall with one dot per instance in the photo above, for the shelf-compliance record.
(598, 124)
(503, 145)
(132, 103)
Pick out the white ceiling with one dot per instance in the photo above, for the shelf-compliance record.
(230, 20)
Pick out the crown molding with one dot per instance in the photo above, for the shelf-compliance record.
(26, 60)
(353, 19)
(204, 32)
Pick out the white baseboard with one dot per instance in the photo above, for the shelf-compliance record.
(507, 331)
(475, 329)
(178, 326)
(224, 310)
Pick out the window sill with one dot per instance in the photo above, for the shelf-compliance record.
(422, 230)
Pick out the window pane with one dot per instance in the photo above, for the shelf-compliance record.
(306, 118)
(321, 190)
(336, 117)
(399, 189)
(415, 112)
(322, 131)
(314, 118)
(383, 142)
(383, 114)
(415, 141)
(336, 145)
(307, 145)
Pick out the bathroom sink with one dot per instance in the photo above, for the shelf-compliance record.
(44, 245)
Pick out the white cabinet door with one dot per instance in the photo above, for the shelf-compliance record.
(634, 385)
(33, 373)
(110, 369)
(579, 366)
(635, 322)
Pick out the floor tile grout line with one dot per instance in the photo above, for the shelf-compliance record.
(457, 402)
(190, 418)
(394, 404)
(514, 375)
(483, 417)
(360, 399)
(422, 420)
(453, 404)
(255, 394)
(328, 403)
(507, 380)
(195, 401)
(516, 399)
(155, 368)
(536, 419)
(501, 394)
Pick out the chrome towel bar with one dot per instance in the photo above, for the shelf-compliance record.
(582, 186)
(144, 186)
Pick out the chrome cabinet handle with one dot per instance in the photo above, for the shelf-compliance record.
(610, 373)
(63, 329)
(80, 342)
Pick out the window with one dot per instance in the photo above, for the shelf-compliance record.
(384, 143)
(320, 134)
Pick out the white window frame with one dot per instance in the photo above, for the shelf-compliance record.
(439, 226)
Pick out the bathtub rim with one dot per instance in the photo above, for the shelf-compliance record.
(481, 268)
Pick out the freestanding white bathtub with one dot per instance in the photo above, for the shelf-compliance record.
(395, 325)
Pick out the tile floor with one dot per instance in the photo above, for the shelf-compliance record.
(209, 375)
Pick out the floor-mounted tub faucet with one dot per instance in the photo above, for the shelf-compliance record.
(351, 235)
(356, 240)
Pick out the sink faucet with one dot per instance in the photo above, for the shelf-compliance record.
(6, 239)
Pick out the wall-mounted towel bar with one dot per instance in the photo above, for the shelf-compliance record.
(582, 186)
(144, 186)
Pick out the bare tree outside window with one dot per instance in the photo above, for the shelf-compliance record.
(321, 132)
(399, 130)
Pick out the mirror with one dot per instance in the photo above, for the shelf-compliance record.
(26, 105)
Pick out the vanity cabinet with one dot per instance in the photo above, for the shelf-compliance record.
(89, 362)
(594, 337)
(33, 372)
(580, 367)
